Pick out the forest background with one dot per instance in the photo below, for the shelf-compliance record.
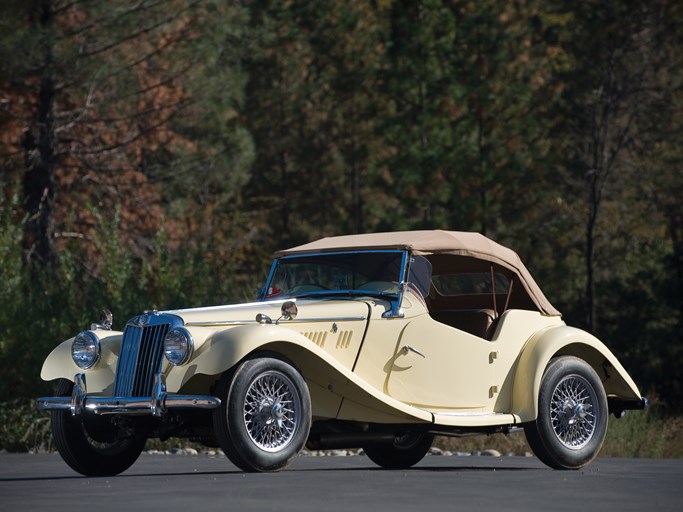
(155, 153)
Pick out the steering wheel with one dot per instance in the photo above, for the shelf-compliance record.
(308, 287)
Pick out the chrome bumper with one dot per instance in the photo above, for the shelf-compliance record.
(156, 405)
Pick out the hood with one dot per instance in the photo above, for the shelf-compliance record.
(236, 314)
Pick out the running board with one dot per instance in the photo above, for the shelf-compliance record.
(474, 419)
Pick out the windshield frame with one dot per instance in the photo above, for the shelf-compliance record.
(394, 298)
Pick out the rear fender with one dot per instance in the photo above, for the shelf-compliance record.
(559, 341)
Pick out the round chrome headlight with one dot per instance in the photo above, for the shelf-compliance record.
(85, 349)
(178, 345)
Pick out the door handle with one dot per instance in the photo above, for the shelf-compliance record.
(408, 348)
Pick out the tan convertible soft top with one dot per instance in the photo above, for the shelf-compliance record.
(435, 242)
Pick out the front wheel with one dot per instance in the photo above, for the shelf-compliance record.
(406, 451)
(265, 415)
(572, 415)
(90, 445)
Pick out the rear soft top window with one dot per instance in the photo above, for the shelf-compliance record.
(470, 283)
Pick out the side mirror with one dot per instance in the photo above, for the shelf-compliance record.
(289, 310)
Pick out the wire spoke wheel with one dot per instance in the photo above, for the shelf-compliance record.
(572, 415)
(265, 416)
(271, 411)
(573, 412)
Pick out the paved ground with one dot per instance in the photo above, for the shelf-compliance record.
(349, 484)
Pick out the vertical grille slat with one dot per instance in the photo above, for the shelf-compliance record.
(145, 360)
(139, 360)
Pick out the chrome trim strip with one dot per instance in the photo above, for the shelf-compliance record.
(295, 321)
(329, 319)
(472, 414)
(224, 307)
(220, 323)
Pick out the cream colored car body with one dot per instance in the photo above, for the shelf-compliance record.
(357, 366)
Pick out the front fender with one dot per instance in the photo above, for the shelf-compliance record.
(220, 350)
(559, 341)
(60, 365)
(328, 380)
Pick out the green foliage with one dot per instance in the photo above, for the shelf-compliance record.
(644, 434)
(23, 428)
(191, 142)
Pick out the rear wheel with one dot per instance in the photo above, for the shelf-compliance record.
(90, 445)
(572, 415)
(265, 415)
(406, 451)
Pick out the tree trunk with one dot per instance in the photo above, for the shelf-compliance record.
(676, 233)
(39, 152)
(357, 200)
(590, 270)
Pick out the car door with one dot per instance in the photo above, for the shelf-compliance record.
(435, 366)
(422, 362)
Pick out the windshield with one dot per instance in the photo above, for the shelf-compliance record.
(378, 272)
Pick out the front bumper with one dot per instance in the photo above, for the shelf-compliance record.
(155, 405)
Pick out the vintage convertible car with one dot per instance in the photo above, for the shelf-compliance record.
(379, 341)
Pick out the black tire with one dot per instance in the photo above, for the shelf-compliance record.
(89, 446)
(572, 415)
(406, 451)
(265, 415)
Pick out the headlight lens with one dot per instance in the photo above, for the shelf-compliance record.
(178, 346)
(85, 349)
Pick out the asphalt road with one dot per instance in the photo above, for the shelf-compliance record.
(204, 483)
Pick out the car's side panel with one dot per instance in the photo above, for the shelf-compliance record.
(329, 380)
(341, 339)
(565, 340)
(460, 372)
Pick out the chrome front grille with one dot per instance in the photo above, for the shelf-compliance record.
(140, 359)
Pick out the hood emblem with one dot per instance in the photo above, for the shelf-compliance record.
(145, 318)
